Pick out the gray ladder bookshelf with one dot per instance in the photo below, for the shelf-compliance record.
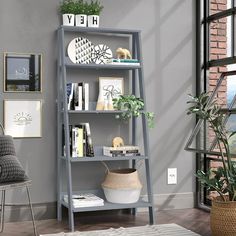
(63, 114)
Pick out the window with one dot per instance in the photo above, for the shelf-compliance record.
(215, 54)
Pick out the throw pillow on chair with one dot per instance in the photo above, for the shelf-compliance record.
(10, 167)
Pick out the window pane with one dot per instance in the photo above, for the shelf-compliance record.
(214, 74)
(226, 96)
(220, 38)
(216, 6)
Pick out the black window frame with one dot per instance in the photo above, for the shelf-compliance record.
(203, 63)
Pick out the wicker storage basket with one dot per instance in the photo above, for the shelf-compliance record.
(223, 218)
(122, 186)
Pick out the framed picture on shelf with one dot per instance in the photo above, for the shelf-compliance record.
(22, 72)
(109, 88)
(23, 118)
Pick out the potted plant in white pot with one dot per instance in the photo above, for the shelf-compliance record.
(67, 9)
(94, 10)
(223, 178)
(81, 10)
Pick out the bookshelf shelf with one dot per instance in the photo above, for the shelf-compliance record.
(103, 158)
(99, 30)
(66, 117)
(109, 206)
(94, 112)
(70, 64)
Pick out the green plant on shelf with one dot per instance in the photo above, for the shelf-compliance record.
(81, 7)
(132, 106)
(68, 7)
(94, 8)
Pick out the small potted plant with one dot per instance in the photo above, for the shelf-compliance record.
(94, 10)
(81, 9)
(67, 9)
(223, 178)
(132, 106)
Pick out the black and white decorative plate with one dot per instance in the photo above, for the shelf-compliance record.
(101, 54)
(80, 50)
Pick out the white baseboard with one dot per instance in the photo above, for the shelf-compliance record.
(171, 201)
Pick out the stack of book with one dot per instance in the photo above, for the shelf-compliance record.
(80, 140)
(78, 96)
(85, 200)
(125, 151)
(126, 62)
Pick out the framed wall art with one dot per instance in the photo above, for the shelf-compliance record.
(109, 88)
(22, 72)
(23, 118)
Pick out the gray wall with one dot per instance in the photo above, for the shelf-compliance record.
(168, 47)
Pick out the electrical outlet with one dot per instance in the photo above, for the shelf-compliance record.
(172, 176)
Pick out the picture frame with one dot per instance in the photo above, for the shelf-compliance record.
(109, 88)
(22, 72)
(23, 118)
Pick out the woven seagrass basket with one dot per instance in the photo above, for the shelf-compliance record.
(223, 218)
(122, 186)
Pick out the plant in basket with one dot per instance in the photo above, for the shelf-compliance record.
(223, 178)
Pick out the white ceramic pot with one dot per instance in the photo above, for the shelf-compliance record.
(81, 20)
(122, 186)
(68, 19)
(93, 21)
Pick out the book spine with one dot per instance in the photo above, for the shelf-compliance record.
(76, 100)
(80, 94)
(70, 139)
(113, 153)
(70, 90)
(80, 142)
(79, 98)
(86, 96)
(126, 60)
(84, 141)
(90, 150)
(81, 84)
(75, 96)
(74, 139)
(120, 154)
(125, 63)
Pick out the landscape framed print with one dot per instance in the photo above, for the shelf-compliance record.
(22, 72)
(23, 118)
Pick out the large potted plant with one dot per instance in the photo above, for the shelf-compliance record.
(67, 9)
(223, 178)
(94, 10)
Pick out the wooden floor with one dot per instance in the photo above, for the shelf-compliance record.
(193, 219)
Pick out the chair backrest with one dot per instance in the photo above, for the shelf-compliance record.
(6, 144)
(3, 130)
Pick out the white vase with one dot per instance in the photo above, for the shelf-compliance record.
(93, 21)
(81, 20)
(100, 102)
(68, 19)
(110, 103)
